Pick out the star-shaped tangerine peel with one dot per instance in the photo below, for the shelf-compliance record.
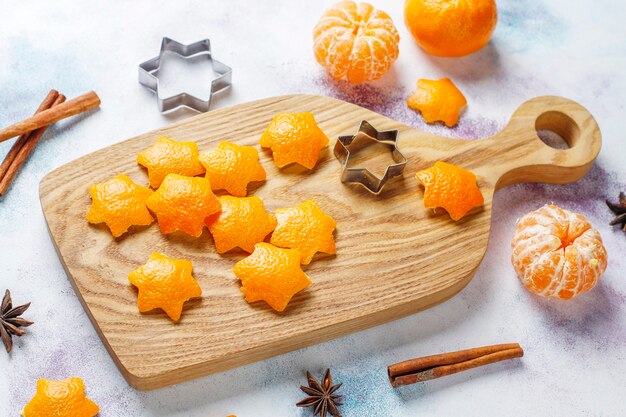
(450, 187)
(294, 138)
(232, 167)
(182, 203)
(438, 101)
(305, 228)
(60, 398)
(164, 283)
(119, 203)
(272, 275)
(243, 222)
(167, 156)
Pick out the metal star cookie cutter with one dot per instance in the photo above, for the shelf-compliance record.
(362, 175)
(149, 79)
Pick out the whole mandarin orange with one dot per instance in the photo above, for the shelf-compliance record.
(451, 28)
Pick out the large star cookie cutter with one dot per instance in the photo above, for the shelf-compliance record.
(148, 76)
(363, 176)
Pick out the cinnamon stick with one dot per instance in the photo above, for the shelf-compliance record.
(8, 160)
(24, 151)
(75, 106)
(436, 366)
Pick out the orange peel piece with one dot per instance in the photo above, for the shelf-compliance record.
(438, 101)
(305, 228)
(294, 138)
(182, 203)
(60, 398)
(164, 283)
(167, 156)
(450, 187)
(232, 167)
(243, 222)
(271, 274)
(119, 203)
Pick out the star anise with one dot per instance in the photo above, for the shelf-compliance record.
(620, 211)
(323, 397)
(10, 321)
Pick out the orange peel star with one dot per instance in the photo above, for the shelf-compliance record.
(182, 203)
(119, 203)
(450, 187)
(272, 275)
(305, 228)
(60, 399)
(232, 167)
(164, 283)
(438, 101)
(243, 222)
(167, 156)
(294, 138)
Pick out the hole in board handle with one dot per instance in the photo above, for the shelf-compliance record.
(557, 130)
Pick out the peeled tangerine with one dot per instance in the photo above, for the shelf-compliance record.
(355, 42)
(294, 138)
(271, 274)
(60, 399)
(164, 283)
(557, 253)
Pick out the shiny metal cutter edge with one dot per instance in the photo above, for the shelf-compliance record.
(148, 79)
(362, 175)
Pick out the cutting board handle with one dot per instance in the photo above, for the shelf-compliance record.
(519, 155)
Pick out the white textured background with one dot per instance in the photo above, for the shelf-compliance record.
(575, 361)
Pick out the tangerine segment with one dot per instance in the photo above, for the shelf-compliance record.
(272, 275)
(294, 138)
(305, 228)
(355, 42)
(557, 253)
(243, 222)
(167, 156)
(60, 399)
(164, 283)
(119, 203)
(182, 203)
(450, 187)
(231, 167)
(451, 28)
(438, 101)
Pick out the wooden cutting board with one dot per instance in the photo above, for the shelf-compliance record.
(394, 257)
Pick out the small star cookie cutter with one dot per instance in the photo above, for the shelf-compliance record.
(363, 176)
(148, 75)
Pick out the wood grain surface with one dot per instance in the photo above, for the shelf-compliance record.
(394, 257)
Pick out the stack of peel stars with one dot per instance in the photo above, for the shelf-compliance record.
(184, 202)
